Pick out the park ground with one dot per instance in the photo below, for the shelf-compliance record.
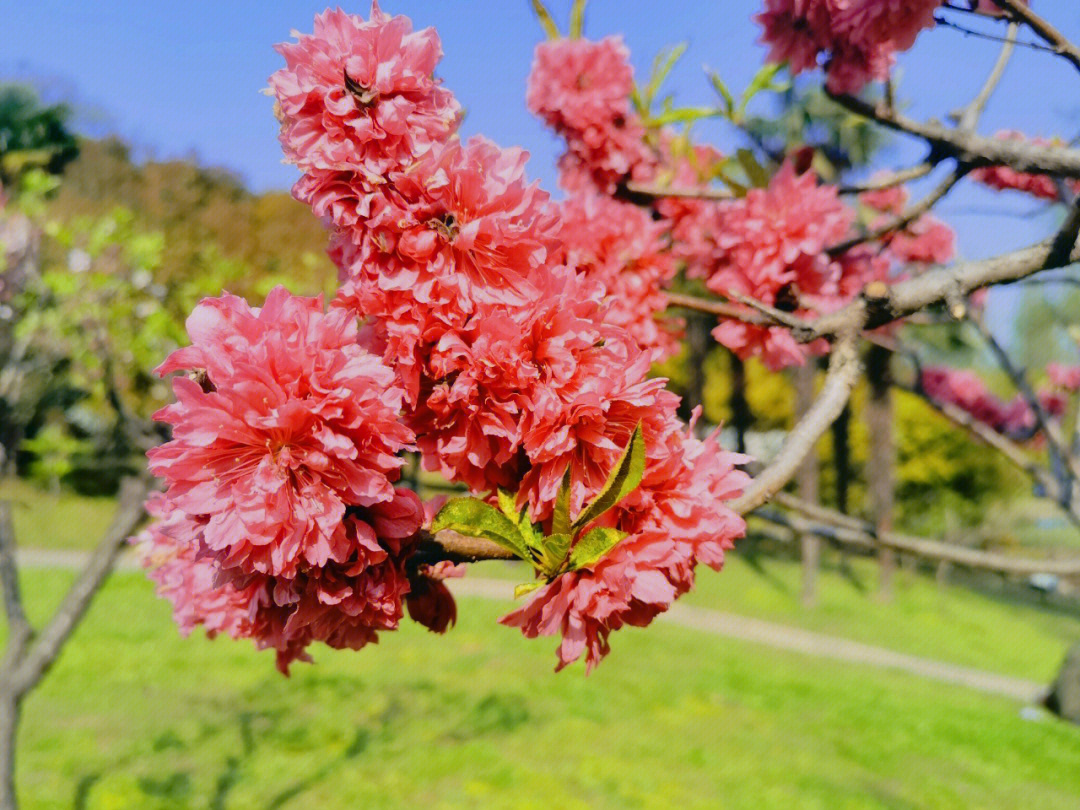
(133, 716)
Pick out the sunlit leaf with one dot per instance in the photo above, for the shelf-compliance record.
(594, 546)
(623, 479)
(546, 21)
(474, 518)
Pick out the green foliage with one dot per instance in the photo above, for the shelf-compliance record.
(33, 135)
(550, 554)
(942, 474)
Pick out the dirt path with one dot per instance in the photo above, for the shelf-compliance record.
(729, 625)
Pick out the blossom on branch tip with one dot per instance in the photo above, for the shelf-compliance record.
(293, 424)
(359, 95)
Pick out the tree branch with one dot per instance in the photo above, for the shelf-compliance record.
(1047, 32)
(880, 304)
(968, 117)
(903, 220)
(844, 370)
(50, 641)
(968, 147)
(19, 629)
(843, 527)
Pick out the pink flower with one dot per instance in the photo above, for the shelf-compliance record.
(676, 519)
(578, 84)
(468, 230)
(855, 40)
(359, 95)
(582, 90)
(772, 246)
(343, 605)
(886, 200)
(292, 424)
(927, 240)
(1067, 377)
(620, 246)
(1004, 178)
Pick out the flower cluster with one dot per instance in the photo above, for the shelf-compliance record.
(507, 339)
(280, 478)
(772, 246)
(968, 392)
(855, 41)
(622, 247)
(1005, 178)
(581, 89)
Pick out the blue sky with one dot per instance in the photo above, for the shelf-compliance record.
(184, 78)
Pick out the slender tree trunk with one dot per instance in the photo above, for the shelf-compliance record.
(880, 464)
(698, 342)
(808, 480)
(10, 709)
(841, 438)
(740, 408)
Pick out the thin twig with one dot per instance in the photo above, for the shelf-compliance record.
(909, 216)
(1047, 32)
(892, 180)
(968, 117)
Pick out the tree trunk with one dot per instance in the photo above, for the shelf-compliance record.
(740, 408)
(698, 342)
(808, 481)
(879, 419)
(841, 438)
(9, 727)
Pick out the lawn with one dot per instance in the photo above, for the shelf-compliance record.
(55, 521)
(135, 717)
(953, 623)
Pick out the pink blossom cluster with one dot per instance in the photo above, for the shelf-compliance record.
(855, 41)
(581, 89)
(1005, 178)
(626, 250)
(964, 389)
(771, 246)
(506, 338)
(280, 520)
(1064, 377)
(926, 241)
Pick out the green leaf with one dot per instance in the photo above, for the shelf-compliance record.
(722, 90)
(757, 174)
(546, 21)
(474, 518)
(663, 63)
(508, 505)
(560, 519)
(623, 480)
(763, 80)
(553, 557)
(577, 19)
(594, 546)
(527, 587)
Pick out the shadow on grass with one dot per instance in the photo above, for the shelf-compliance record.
(163, 774)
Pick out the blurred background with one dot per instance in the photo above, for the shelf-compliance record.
(141, 171)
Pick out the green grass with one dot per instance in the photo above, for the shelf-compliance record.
(133, 716)
(948, 622)
(60, 521)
